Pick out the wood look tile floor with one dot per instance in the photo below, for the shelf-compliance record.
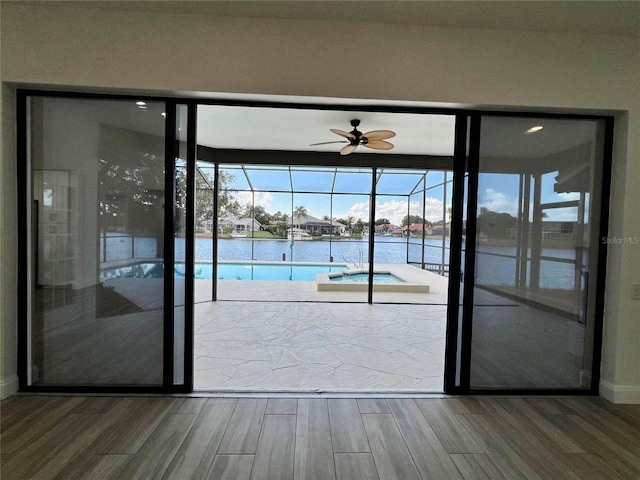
(136, 437)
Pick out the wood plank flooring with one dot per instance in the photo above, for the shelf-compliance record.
(178, 438)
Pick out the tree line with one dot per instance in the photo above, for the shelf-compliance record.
(228, 205)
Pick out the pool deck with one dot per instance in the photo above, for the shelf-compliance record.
(319, 347)
(299, 291)
(287, 336)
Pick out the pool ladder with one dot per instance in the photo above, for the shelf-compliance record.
(360, 262)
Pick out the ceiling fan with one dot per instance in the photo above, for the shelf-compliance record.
(374, 139)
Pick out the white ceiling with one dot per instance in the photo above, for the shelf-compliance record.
(610, 17)
(252, 128)
(290, 129)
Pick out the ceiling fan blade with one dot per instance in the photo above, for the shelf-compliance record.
(348, 149)
(342, 133)
(379, 145)
(326, 143)
(379, 134)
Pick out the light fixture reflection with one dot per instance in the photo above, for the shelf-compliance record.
(535, 129)
(140, 103)
(164, 114)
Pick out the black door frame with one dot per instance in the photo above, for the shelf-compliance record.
(458, 336)
(460, 317)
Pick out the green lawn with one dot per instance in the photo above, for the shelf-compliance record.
(260, 234)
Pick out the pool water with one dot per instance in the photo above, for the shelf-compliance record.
(364, 278)
(267, 271)
(228, 271)
(251, 271)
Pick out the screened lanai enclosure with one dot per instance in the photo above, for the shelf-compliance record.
(289, 254)
(314, 270)
(307, 233)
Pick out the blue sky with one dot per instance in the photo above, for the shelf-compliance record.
(496, 192)
(351, 187)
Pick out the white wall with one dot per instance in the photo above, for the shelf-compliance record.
(8, 243)
(86, 47)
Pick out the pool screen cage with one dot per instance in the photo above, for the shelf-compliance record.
(333, 205)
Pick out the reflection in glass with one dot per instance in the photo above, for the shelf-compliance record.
(536, 229)
(97, 205)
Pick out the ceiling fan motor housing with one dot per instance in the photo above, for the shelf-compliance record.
(356, 133)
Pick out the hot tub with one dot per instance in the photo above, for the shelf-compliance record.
(358, 281)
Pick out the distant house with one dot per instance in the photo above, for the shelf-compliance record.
(441, 230)
(551, 230)
(317, 226)
(235, 225)
(558, 230)
(417, 229)
(385, 228)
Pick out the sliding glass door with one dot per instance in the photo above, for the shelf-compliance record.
(98, 300)
(123, 205)
(532, 253)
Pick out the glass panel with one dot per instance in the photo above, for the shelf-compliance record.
(180, 237)
(204, 234)
(535, 248)
(97, 232)
(463, 278)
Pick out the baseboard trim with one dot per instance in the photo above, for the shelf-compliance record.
(9, 386)
(619, 393)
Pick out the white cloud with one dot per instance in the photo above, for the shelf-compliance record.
(264, 199)
(358, 210)
(433, 211)
(497, 202)
(569, 214)
(395, 210)
(568, 196)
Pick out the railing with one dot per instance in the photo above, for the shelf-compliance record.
(439, 268)
(360, 262)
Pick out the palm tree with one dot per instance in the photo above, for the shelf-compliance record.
(350, 221)
(300, 211)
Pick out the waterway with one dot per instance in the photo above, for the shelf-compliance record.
(493, 267)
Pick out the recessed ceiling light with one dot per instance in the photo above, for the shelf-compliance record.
(164, 114)
(140, 103)
(535, 129)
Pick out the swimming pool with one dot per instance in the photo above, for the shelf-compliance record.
(390, 278)
(229, 271)
(267, 271)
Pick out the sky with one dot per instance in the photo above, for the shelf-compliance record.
(496, 192)
(499, 193)
(351, 198)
